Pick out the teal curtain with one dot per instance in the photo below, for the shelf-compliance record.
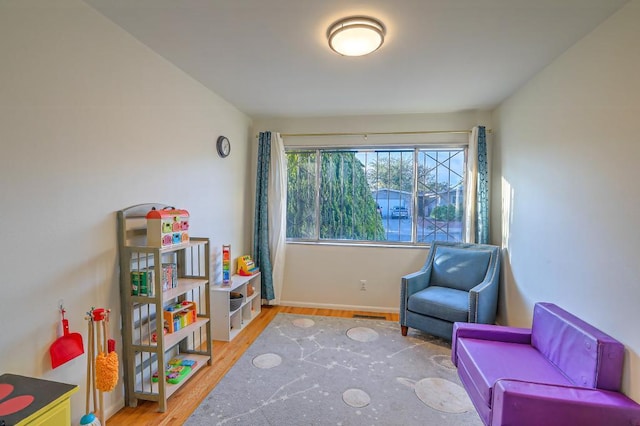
(261, 251)
(482, 207)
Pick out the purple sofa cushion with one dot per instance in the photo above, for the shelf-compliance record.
(489, 332)
(486, 362)
(533, 404)
(589, 357)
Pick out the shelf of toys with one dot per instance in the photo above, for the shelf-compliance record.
(226, 324)
(165, 301)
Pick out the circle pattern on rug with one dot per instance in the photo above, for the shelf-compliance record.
(443, 395)
(303, 322)
(443, 361)
(362, 334)
(268, 360)
(356, 398)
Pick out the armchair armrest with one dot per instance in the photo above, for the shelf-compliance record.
(533, 404)
(413, 283)
(483, 298)
(410, 284)
(498, 333)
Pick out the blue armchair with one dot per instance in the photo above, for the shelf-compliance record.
(458, 283)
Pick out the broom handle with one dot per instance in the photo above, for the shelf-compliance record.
(89, 357)
(104, 329)
(93, 365)
(100, 395)
(105, 325)
(106, 335)
(99, 327)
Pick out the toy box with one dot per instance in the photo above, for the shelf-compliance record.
(167, 227)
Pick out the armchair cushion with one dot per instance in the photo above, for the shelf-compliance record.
(459, 268)
(441, 302)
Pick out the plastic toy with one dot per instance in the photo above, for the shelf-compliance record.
(183, 361)
(226, 264)
(246, 267)
(167, 227)
(66, 347)
(102, 371)
(173, 374)
(106, 361)
(154, 335)
(89, 419)
(179, 315)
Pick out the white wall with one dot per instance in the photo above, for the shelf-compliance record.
(566, 175)
(328, 276)
(91, 121)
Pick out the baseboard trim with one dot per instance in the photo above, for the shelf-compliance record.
(339, 307)
(112, 409)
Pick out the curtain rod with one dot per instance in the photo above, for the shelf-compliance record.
(417, 132)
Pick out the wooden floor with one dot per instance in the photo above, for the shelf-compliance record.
(225, 354)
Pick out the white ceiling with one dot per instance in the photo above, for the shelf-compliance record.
(270, 57)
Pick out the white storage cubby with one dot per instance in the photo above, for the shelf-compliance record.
(226, 324)
(146, 348)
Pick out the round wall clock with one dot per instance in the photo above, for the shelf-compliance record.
(224, 146)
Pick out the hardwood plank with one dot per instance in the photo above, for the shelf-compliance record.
(225, 354)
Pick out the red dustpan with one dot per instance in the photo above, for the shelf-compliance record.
(66, 347)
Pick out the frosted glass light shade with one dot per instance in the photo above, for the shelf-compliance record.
(356, 36)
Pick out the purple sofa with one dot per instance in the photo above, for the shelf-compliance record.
(562, 371)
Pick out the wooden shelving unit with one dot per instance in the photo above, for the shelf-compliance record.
(146, 347)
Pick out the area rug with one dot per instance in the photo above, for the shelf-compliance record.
(313, 370)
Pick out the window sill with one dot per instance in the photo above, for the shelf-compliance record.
(360, 244)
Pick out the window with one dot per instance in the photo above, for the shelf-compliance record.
(409, 195)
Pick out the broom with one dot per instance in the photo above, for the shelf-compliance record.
(107, 360)
(90, 419)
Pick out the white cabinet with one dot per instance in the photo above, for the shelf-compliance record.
(226, 324)
(158, 285)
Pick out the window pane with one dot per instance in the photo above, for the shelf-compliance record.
(347, 208)
(390, 175)
(301, 195)
(440, 195)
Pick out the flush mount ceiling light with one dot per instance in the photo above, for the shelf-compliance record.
(356, 36)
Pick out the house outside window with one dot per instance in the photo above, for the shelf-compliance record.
(392, 195)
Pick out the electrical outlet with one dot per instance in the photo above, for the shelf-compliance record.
(363, 285)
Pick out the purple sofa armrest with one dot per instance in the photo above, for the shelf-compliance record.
(533, 404)
(498, 333)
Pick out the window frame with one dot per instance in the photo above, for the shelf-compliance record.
(317, 150)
